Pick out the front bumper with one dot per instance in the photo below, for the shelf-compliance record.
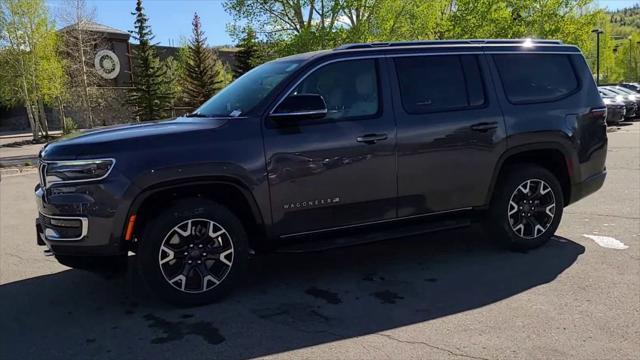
(82, 219)
(615, 113)
(631, 110)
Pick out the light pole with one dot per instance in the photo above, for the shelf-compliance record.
(630, 62)
(635, 57)
(597, 32)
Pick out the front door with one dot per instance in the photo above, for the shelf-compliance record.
(340, 170)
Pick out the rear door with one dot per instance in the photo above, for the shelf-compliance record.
(340, 170)
(450, 131)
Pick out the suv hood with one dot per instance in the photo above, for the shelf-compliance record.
(114, 139)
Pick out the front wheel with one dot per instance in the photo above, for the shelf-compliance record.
(526, 207)
(193, 253)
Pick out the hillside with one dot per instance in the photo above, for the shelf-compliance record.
(626, 20)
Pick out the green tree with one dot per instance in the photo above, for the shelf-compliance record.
(610, 70)
(202, 76)
(150, 95)
(393, 20)
(567, 20)
(172, 85)
(249, 55)
(293, 26)
(78, 45)
(32, 73)
(624, 28)
(290, 27)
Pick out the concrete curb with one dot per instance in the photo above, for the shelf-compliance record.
(25, 135)
(16, 171)
(18, 161)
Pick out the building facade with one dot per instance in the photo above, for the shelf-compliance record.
(111, 63)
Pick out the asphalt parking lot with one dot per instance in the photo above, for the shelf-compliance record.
(448, 295)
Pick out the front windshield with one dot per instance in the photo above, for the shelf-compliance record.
(239, 97)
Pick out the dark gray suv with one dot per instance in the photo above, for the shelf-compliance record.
(359, 143)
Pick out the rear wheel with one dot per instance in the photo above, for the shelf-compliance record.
(526, 208)
(193, 253)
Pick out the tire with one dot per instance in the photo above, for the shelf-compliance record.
(193, 253)
(542, 209)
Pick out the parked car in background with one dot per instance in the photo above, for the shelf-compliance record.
(624, 89)
(616, 110)
(631, 86)
(629, 94)
(630, 105)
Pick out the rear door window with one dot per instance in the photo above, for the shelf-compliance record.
(532, 78)
(439, 83)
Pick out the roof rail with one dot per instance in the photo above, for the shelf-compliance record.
(445, 42)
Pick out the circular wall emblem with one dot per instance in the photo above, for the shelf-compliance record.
(107, 64)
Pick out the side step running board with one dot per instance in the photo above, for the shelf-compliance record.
(371, 235)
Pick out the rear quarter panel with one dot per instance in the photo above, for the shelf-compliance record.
(566, 124)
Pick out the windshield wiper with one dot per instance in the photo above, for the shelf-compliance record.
(197, 115)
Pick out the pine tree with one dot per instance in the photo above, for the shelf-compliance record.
(202, 76)
(248, 56)
(150, 96)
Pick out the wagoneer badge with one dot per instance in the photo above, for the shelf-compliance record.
(311, 203)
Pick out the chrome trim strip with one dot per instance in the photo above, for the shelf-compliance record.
(435, 54)
(372, 223)
(442, 43)
(536, 52)
(42, 168)
(520, 52)
(83, 221)
(299, 113)
(113, 164)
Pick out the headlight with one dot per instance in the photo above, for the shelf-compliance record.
(76, 170)
(607, 101)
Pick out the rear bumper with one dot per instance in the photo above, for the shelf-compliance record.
(588, 186)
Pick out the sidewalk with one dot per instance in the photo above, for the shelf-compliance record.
(11, 136)
(19, 155)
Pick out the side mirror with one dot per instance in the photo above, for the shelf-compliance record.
(301, 106)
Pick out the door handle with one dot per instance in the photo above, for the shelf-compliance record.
(485, 126)
(371, 138)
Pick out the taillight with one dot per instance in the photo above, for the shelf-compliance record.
(599, 113)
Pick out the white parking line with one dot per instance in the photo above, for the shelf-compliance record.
(607, 242)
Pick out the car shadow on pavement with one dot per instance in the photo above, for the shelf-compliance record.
(289, 301)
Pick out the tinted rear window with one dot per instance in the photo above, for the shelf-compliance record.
(530, 78)
(439, 83)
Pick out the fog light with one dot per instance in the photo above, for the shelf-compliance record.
(51, 234)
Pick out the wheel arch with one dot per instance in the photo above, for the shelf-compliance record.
(228, 192)
(551, 156)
